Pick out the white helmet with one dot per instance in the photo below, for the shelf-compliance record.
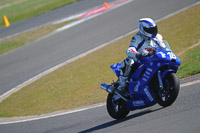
(148, 27)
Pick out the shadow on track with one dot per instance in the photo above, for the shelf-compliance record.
(115, 122)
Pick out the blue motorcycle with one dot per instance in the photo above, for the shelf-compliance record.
(154, 81)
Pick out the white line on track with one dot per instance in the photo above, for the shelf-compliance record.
(52, 115)
(69, 18)
(5, 95)
(124, 2)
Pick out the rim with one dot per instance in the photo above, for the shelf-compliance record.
(165, 93)
(116, 105)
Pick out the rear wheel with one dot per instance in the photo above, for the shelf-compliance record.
(169, 93)
(116, 109)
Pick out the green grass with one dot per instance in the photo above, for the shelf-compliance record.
(77, 84)
(190, 63)
(18, 10)
(27, 37)
(7, 46)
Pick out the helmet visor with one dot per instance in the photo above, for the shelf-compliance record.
(152, 30)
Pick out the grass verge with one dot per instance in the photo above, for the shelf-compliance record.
(27, 37)
(77, 83)
(18, 10)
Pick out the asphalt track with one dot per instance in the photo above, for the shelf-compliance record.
(182, 117)
(49, 17)
(24, 63)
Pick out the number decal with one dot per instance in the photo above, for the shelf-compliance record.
(162, 54)
(171, 55)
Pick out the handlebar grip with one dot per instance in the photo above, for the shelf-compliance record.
(139, 56)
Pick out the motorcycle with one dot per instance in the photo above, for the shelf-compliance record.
(154, 81)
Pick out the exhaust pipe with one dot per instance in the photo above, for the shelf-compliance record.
(107, 87)
(111, 89)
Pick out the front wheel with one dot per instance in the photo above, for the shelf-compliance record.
(169, 93)
(116, 109)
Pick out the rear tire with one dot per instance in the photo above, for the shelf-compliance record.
(116, 109)
(168, 95)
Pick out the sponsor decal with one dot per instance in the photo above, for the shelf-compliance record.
(133, 51)
(138, 103)
(144, 79)
(149, 69)
(148, 94)
(137, 86)
(147, 74)
(162, 54)
(171, 55)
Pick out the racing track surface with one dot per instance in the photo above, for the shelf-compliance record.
(24, 63)
(49, 17)
(182, 117)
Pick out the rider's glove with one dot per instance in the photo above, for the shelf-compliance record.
(152, 52)
(138, 56)
(144, 53)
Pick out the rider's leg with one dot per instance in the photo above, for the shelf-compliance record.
(125, 70)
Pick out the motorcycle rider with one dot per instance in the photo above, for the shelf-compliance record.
(144, 40)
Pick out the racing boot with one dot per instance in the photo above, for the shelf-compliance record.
(123, 83)
(125, 70)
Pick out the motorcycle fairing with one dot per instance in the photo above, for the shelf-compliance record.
(115, 68)
(142, 96)
(148, 67)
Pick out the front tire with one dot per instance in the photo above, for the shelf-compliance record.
(168, 95)
(116, 109)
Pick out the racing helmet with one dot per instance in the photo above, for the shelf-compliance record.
(148, 27)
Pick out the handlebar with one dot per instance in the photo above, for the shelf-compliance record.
(151, 52)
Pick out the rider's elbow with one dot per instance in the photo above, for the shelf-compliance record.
(131, 52)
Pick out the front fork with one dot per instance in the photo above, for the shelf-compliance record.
(162, 92)
(160, 80)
